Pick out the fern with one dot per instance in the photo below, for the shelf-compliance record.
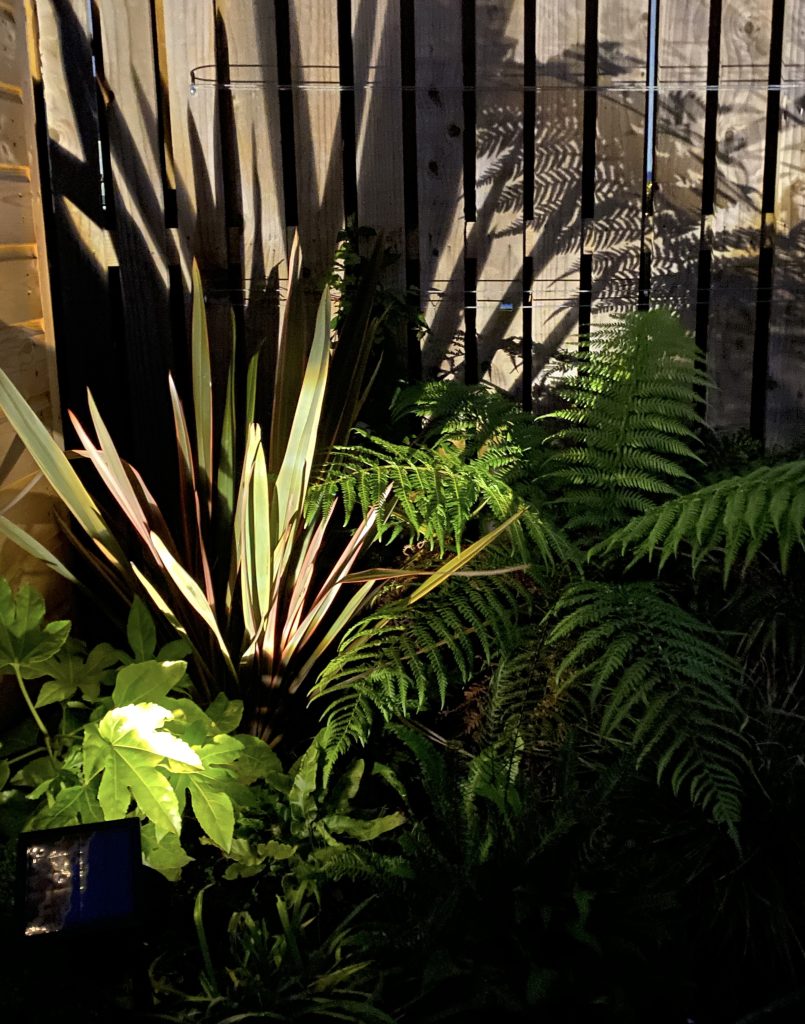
(437, 493)
(400, 658)
(659, 681)
(628, 424)
(732, 519)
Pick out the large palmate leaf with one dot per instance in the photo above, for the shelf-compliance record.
(131, 752)
(147, 682)
(25, 643)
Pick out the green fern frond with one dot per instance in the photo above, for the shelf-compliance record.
(626, 434)
(658, 680)
(731, 520)
(436, 493)
(400, 659)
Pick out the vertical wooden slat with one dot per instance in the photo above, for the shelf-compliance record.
(495, 240)
(26, 322)
(81, 250)
(251, 49)
(317, 129)
(129, 70)
(188, 30)
(620, 138)
(741, 128)
(378, 123)
(785, 402)
(679, 155)
(439, 125)
(553, 237)
(30, 75)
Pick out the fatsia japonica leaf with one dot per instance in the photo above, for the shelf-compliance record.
(145, 682)
(165, 855)
(71, 806)
(70, 672)
(141, 631)
(25, 643)
(131, 752)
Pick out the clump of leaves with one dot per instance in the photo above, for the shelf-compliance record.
(128, 740)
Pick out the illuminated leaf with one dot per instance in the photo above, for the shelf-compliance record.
(165, 855)
(25, 644)
(147, 681)
(129, 750)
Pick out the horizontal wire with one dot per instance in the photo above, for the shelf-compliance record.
(197, 80)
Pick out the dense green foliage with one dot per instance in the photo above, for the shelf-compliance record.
(544, 776)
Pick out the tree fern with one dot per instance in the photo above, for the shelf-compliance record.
(628, 424)
(732, 520)
(658, 680)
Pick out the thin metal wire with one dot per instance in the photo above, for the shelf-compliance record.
(197, 80)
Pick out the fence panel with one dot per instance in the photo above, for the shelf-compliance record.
(533, 205)
(81, 249)
(317, 129)
(786, 371)
(741, 133)
(26, 323)
(678, 172)
(495, 239)
(553, 233)
(377, 73)
(620, 140)
(186, 37)
(440, 157)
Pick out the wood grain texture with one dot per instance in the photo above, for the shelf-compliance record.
(129, 67)
(378, 124)
(440, 156)
(317, 130)
(9, 42)
(249, 32)
(679, 156)
(188, 30)
(553, 237)
(741, 133)
(785, 403)
(495, 240)
(12, 128)
(16, 210)
(620, 138)
(26, 340)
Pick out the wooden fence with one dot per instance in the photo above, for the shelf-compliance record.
(534, 169)
(26, 351)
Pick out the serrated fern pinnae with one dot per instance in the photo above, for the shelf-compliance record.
(437, 493)
(659, 681)
(731, 520)
(400, 659)
(627, 431)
